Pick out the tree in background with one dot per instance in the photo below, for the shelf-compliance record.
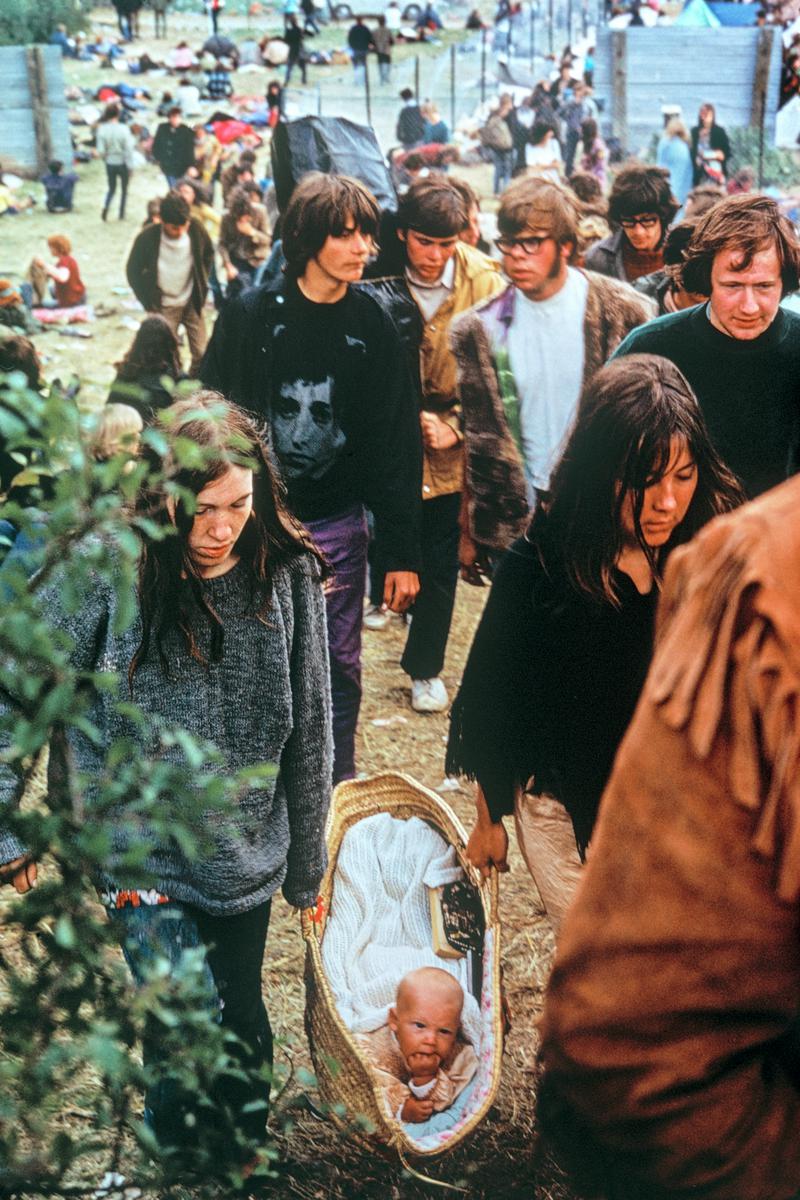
(25, 21)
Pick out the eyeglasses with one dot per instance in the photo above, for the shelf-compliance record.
(645, 222)
(528, 245)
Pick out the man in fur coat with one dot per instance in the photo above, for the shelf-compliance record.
(524, 357)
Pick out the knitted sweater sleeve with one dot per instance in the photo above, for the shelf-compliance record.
(82, 629)
(307, 761)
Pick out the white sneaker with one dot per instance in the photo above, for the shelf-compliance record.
(376, 617)
(114, 1186)
(429, 695)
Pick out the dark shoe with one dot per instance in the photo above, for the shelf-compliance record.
(104, 214)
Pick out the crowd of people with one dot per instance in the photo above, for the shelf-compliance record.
(558, 415)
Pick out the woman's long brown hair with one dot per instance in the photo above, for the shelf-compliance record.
(171, 594)
(621, 444)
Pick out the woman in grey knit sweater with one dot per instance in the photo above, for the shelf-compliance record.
(229, 644)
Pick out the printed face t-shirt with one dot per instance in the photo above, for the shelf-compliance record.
(321, 374)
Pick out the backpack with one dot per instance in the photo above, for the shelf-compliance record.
(496, 135)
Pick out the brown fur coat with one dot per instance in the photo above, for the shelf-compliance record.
(497, 499)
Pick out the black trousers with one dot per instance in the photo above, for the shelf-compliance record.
(423, 657)
(114, 173)
(234, 949)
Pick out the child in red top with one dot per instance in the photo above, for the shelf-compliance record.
(68, 287)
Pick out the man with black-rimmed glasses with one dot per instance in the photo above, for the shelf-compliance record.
(524, 358)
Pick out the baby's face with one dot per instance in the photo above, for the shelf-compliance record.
(425, 1026)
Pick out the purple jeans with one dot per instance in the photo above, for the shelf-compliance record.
(343, 541)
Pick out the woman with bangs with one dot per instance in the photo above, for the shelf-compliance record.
(564, 644)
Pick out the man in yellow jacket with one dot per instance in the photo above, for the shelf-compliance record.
(445, 277)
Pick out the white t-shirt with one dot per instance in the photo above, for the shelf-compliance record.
(542, 156)
(546, 352)
(175, 270)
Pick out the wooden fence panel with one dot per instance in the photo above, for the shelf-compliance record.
(639, 70)
(33, 110)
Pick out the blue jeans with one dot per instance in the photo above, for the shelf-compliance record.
(503, 168)
(231, 981)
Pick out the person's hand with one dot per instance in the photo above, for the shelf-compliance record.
(471, 561)
(38, 261)
(400, 590)
(436, 433)
(245, 226)
(21, 873)
(231, 272)
(488, 847)
(415, 1111)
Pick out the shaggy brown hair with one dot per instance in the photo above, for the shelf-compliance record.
(532, 203)
(434, 207)
(321, 206)
(640, 189)
(747, 224)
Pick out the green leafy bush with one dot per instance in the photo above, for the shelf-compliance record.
(25, 21)
(780, 166)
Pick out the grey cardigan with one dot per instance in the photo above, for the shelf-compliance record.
(266, 701)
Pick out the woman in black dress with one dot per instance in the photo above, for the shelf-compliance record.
(564, 644)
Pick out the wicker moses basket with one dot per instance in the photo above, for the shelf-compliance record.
(344, 1079)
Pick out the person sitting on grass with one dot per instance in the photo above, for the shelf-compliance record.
(12, 201)
(59, 187)
(419, 1058)
(67, 289)
(13, 312)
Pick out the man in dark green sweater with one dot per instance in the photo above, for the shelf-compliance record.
(741, 351)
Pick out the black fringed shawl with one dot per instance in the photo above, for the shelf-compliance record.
(551, 683)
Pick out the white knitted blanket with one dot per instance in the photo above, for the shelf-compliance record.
(379, 926)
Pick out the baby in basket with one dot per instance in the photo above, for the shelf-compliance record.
(421, 1062)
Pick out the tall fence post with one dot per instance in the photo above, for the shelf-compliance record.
(483, 66)
(416, 78)
(37, 89)
(452, 89)
(319, 101)
(533, 34)
(367, 95)
(550, 22)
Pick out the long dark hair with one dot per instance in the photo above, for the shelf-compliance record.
(171, 594)
(153, 351)
(620, 445)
